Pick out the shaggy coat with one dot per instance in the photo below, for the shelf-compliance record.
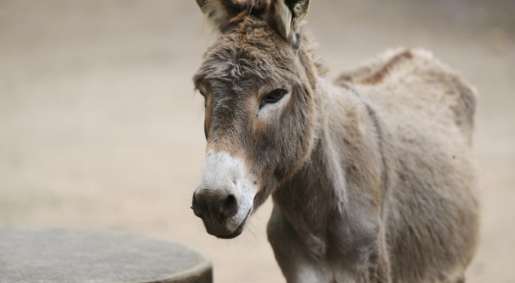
(372, 177)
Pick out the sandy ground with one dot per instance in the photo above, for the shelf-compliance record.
(100, 127)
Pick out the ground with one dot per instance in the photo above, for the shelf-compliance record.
(100, 127)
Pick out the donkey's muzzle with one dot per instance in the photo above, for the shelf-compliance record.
(207, 203)
(225, 195)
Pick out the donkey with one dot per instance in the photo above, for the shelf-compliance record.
(372, 177)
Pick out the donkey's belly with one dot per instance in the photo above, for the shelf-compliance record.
(432, 238)
(432, 213)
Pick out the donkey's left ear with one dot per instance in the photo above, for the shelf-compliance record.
(287, 17)
(218, 12)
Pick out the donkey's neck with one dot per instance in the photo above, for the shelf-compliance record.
(346, 153)
(320, 182)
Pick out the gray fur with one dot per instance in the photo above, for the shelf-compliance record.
(372, 177)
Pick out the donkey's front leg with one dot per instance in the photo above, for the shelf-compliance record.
(359, 240)
(297, 266)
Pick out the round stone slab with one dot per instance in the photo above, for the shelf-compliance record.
(74, 256)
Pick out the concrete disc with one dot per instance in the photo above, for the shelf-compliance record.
(72, 256)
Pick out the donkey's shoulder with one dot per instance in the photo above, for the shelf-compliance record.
(417, 75)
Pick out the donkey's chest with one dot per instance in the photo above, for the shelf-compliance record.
(340, 248)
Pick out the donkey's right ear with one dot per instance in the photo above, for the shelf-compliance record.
(287, 17)
(218, 12)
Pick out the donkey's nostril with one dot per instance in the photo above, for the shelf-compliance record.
(197, 209)
(219, 205)
(228, 207)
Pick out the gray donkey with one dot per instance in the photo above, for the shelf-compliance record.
(372, 177)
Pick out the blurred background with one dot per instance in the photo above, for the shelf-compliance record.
(100, 127)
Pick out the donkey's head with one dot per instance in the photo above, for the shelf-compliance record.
(258, 82)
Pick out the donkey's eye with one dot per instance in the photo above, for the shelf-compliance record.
(274, 96)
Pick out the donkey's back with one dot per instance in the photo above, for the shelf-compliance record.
(416, 85)
(426, 113)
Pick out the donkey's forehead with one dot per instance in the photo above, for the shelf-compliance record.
(251, 51)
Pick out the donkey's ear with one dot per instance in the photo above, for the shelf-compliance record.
(219, 12)
(287, 17)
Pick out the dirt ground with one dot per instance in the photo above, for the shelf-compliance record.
(100, 127)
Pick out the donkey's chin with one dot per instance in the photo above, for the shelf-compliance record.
(236, 232)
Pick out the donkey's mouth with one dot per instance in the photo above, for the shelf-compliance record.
(238, 230)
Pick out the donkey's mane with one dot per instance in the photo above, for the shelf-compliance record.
(311, 47)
